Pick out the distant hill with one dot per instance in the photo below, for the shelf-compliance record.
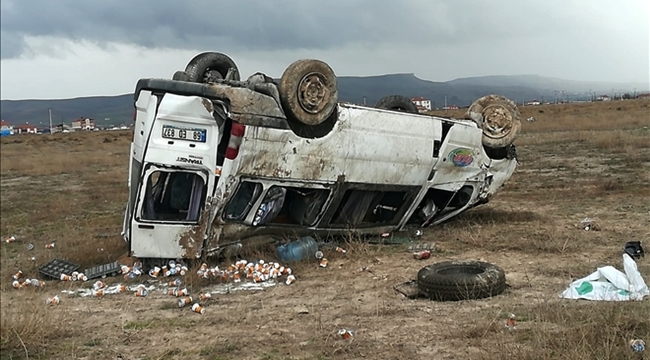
(115, 110)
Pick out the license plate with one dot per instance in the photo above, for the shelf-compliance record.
(178, 133)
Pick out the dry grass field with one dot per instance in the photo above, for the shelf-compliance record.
(576, 161)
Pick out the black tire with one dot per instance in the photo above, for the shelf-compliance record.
(308, 92)
(454, 280)
(397, 103)
(210, 66)
(180, 76)
(499, 118)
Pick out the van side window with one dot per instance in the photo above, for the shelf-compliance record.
(173, 196)
(291, 206)
(241, 203)
(369, 207)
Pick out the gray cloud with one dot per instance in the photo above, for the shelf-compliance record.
(61, 44)
(272, 25)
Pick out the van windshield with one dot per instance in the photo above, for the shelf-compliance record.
(173, 196)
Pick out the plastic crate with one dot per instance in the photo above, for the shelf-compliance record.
(111, 269)
(56, 267)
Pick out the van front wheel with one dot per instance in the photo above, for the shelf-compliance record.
(499, 118)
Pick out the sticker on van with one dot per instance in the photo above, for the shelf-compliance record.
(461, 157)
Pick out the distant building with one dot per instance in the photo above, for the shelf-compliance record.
(421, 103)
(450, 107)
(6, 128)
(534, 102)
(25, 129)
(643, 96)
(603, 98)
(83, 124)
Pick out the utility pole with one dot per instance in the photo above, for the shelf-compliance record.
(50, 111)
(445, 102)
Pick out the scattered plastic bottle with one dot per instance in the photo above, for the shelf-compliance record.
(510, 322)
(346, 333)
(298, 250)
(637, 345)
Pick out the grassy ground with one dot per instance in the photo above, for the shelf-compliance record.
(577, 161)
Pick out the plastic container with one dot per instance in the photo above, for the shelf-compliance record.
(301, 249)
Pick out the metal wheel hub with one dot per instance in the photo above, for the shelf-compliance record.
(497, 121)
(313, 93)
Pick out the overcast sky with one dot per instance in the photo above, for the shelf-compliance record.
(71, 48)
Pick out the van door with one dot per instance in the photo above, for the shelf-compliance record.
(166, 222)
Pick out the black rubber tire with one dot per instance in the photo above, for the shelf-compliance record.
(180, 76)
(308, 92)
(461, 280)
(397, 103)
(499, 118)
(209, 66)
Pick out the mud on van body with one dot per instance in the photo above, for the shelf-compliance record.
(216, 160)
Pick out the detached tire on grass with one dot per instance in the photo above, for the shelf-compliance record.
(461, 280)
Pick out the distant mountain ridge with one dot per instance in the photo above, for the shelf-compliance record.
(115, 110)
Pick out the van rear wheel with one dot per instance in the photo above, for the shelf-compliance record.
(208, 67)
(499, 118)
(308, 92)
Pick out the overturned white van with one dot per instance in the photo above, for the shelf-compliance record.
(216, 160)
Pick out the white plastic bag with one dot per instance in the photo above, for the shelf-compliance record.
(609, 284)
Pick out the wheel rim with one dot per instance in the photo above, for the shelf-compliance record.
(313, 93)
(497, 121)
(211, 75)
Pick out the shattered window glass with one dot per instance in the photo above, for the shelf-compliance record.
(360, 207)
(291, 206)
(243, 200)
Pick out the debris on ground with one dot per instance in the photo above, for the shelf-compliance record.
(205, 296)
(258, 271)
(637, 345)
(461, 280)
(421, 247)
(409, 289)
(609, 284)
(111, 269)
(184, 301)
(634, 249)
(298, 250)
(588, 224)
(418, 233)
(141, 291)
(27, 282)
(17, 275)
(56, 267)
(198, 308)
(346, 333)
(53, 300)
(49, 246)
(11, 239)
(29, 247)
(422, 255)
(323, 262)
(510, 322)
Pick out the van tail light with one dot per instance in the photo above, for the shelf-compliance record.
(236, 135)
